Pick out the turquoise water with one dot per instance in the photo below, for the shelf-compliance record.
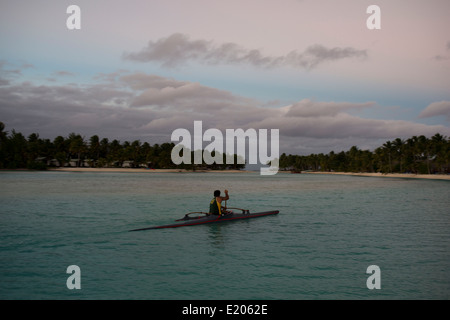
(329, 230)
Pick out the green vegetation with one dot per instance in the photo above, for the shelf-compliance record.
(419, 155)
(415, 155)
(18, 152)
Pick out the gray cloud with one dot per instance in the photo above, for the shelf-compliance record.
(63, 73)
(317, 54)
(128, 106)
(4, 82)
(176, 100)
(152, 90)
(440, 58)
(179, 49)
(7, 74)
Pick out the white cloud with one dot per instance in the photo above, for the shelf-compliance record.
(437, 109)
(310, 108)
(346, 126)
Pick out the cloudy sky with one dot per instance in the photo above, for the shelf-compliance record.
(139, 69)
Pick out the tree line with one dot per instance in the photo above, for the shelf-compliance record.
(418, 154)
(33, 152)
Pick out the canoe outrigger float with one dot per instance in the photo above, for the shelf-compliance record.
(205, 218)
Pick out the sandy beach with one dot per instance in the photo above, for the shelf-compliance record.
(389, 175)
(142, 170)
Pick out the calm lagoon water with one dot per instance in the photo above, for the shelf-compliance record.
(329, 230)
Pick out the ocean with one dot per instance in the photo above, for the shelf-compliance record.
(330, 229)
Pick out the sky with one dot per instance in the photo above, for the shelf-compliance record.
(140, 69)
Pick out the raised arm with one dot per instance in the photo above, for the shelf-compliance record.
(220, 199)
(226, 196)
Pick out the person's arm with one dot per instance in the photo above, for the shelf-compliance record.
(220, 199)
(226, 196)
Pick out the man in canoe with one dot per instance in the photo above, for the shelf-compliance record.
(215, 207)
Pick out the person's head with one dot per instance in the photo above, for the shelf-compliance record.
(217, 193)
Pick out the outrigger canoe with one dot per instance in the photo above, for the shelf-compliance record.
(205, 218)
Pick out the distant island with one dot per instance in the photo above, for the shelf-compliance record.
(74, 151)
(416, 155)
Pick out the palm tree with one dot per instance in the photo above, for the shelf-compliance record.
(389, 149)
(439, 148)
(3, 134)
(425, 149)
(115, 154)
(17, 150)
(94, 148)
(3, 141)
(77, 146)
(354, 159)
(135, 153)
(398, 146)
(33, 147)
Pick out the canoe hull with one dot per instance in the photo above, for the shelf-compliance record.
(213, 219)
